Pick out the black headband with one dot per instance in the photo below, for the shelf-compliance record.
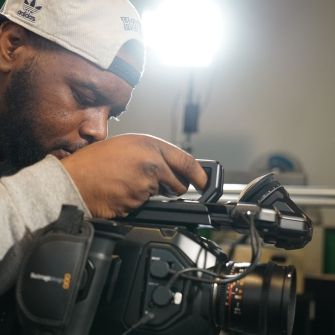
(125, 71)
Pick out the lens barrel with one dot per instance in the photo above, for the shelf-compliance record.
(263, 302)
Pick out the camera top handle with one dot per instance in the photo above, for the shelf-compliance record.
(214, 188)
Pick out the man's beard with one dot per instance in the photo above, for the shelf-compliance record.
(18, 145)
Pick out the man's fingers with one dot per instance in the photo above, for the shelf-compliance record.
(169, 184)
(185, 166)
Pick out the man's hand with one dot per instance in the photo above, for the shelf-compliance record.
(118, 175)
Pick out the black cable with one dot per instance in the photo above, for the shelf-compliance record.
(255, 247)
(181, 272)
(200, 279)
(256, 252)
(145, 319)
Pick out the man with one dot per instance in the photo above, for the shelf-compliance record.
(66, 67)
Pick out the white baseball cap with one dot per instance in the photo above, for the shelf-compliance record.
(93, 29)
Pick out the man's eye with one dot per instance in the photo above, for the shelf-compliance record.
(82, 99)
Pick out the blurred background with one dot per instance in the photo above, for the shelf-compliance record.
(270, 88)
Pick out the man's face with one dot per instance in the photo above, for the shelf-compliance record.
(57, 102)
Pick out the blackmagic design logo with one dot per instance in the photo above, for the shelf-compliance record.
(65, 282)
(29, 9)
(130, 24)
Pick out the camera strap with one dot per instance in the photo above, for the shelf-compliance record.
(53, 272)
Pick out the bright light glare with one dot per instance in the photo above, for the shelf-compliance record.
(184, 32)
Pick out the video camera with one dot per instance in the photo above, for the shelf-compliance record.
(153, 273)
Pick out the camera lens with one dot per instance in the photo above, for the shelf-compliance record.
(263, 302)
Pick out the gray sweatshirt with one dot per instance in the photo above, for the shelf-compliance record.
(30, 200)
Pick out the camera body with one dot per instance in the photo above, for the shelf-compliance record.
(260, 303)
(146, 258)
(153, 273)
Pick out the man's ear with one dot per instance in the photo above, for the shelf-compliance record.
(12, 38)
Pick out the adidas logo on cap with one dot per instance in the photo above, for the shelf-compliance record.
(29, 8)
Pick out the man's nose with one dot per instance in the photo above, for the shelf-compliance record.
(95, 125)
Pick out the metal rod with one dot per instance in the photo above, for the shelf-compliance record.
(302, 195)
